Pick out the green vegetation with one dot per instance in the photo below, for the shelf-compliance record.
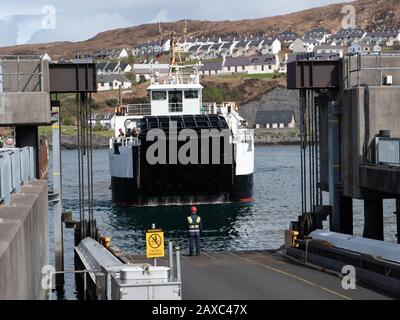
(213, 60)
(112, 102)
(215, 94)
(258, 76)
(71, 131)
(264, 75)
(142, 79)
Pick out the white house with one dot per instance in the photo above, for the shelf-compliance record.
(382, 38)
(241, 48)
(329, 49)
(112, 82)
(275, 119)
(146, 70)
(357, 48)
(345, 37)
(227, 49)
(211, 68)
(251, 64)
(271, 46)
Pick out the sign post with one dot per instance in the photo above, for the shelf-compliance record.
(155, 244)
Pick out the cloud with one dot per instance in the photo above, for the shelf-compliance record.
(160, 17)
(79, 20)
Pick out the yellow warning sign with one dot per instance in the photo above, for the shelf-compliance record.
(155, 244)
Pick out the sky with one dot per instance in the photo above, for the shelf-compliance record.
(37, 21)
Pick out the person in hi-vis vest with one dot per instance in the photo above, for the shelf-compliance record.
(194, 230)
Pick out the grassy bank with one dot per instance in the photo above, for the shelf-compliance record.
(70, 131)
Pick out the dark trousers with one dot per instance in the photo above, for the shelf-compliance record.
(194, 242)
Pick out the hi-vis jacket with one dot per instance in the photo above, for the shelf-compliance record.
(194, 222)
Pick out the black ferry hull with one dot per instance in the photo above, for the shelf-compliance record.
(126, 193)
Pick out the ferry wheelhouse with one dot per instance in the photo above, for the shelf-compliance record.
(220, 170)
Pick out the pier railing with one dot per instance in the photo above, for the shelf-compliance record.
(17, 167)
(21, 73)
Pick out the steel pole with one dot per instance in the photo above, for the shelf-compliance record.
(58, 229)
(171, 260)
(178, 264)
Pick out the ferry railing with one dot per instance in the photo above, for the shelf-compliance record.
(185, 78)
(20, 81)
(125, 142)
(138, 110)
(16, 168)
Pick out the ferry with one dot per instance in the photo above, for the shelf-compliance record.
(151, 164)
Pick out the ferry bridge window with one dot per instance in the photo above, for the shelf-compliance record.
(158, 95)
(175, 101)
(191, 94)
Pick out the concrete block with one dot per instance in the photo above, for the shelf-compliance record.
(24, 243)
(24, 108)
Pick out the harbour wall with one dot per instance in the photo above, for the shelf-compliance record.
(24, 243)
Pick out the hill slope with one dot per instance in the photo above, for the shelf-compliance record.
(371, 14)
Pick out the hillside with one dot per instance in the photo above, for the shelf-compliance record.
(371, 14)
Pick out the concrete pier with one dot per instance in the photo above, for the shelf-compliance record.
(257, 275)
(24, 243)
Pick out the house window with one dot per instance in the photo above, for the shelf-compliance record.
(158, 95)
(243, 68)
(110, 84)
(192, 94)
(101, 84)
(262, 67)
(269, 67)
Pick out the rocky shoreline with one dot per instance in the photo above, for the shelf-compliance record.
(269, 137)
(262, 137)
(71, 142)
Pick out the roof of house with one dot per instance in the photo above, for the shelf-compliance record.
(101, 65)
(387, 33)
(211, 66)
(226, 45)
(248, 61)
(215, 46)
(242, 44)
(274, 116)
(288, 35)
(269, 41)
(349, 33)
(123, 65)
(111, 66)
(111, 77)
(194, 48)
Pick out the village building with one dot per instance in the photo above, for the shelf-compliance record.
(275, 119)
(146, 70)
(345, 37)
(251, 64)
(112, 82)
(211, 68)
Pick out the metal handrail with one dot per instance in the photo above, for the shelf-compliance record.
(360, 68)
(18, 74)
(138, 109)
(16, 168)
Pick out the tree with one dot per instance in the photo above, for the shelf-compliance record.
(142, 79)
(112, 102)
